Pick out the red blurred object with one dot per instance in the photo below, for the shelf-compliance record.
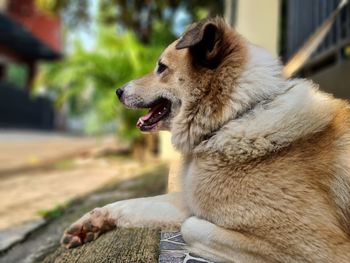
(45, 27)
(28, 35)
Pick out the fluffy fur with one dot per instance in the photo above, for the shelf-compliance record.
(265, 159)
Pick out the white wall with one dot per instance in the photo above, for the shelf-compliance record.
(3, 5)
(258, 21)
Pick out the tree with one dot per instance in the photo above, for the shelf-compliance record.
(138, 15)
(86, 80)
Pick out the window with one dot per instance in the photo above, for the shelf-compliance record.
(16, 74)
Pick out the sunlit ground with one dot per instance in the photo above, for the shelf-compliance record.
(28, 194)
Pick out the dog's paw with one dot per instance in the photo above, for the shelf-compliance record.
(88, 228)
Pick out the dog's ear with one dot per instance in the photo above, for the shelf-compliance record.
(204, 39)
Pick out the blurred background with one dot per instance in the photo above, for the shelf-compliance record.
(63, 133)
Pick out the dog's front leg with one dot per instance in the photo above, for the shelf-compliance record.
(219, 244)
(163, 211)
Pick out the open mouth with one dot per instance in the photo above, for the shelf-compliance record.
(159, 110)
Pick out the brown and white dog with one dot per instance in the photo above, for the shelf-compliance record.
(266, 171)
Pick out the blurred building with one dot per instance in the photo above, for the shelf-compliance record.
(27, 36)
(283, 26)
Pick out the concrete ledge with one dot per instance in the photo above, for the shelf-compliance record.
(12, 236)
(173, 250)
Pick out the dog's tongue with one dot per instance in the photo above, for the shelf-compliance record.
(142, 119)
(152, 112)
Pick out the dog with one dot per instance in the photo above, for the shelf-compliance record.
(265, 169)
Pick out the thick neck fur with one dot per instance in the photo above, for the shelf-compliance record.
(262, 113)
(230, 92)
(298, 113)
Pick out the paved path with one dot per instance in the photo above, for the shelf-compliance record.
(26, 149)
(23, 196)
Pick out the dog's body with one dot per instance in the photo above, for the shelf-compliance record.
(265, 160)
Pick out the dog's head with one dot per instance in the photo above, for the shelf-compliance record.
(192, 89)
(185, 66)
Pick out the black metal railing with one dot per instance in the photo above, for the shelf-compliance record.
(303, 17)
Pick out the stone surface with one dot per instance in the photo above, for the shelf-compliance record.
(121, 245)
(173, 250)
(11, 236)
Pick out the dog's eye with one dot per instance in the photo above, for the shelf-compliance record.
(161, 67)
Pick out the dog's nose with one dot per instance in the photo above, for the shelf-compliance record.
(120, 92)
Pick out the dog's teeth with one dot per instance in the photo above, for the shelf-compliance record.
(139, 122)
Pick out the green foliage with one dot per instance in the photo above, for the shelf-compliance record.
(17, 74)
(75, 12)
(87, 80)
(64, 164)
(129, 14)
(53, 213)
